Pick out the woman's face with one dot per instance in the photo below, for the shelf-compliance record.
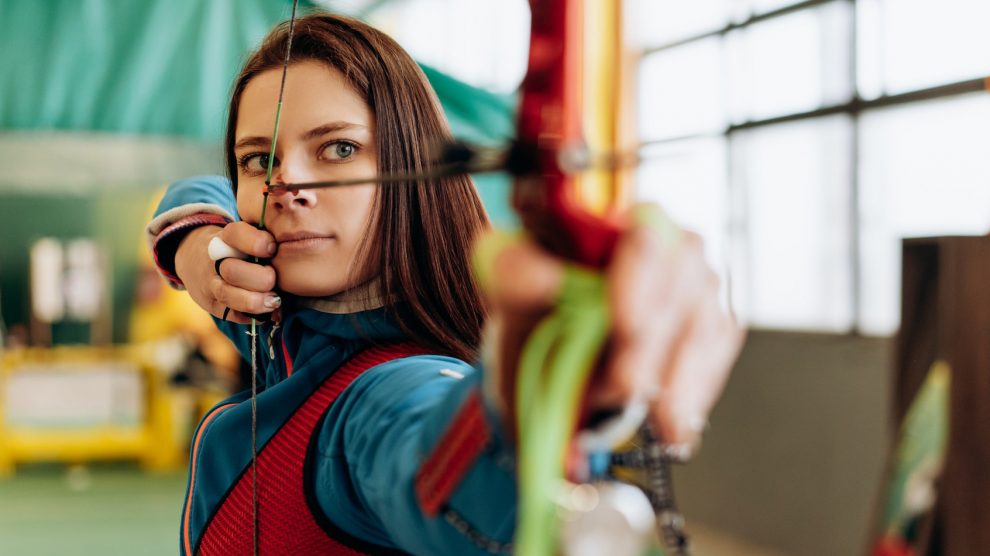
(326, 133)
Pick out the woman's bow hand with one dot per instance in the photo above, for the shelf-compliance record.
(670, 342)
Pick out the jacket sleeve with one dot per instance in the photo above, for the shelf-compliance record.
(411, 457)
(187, 204)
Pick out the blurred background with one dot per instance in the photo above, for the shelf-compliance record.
(805, 141)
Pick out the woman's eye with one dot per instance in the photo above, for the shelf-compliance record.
(340, 150)
(256, 163)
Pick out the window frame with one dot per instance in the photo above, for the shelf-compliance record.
(854, 106)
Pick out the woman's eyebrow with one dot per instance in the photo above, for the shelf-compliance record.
(331, 128)
(260, 141)
(256, 141)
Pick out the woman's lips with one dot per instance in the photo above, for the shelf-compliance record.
(302, 241)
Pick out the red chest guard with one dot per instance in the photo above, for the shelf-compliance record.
(286, 523)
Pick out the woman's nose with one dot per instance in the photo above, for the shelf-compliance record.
(288, 199)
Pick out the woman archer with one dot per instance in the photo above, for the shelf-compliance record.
(378, 430)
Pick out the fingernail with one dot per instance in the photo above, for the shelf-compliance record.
(696, 424)
(273, 302)
(678, 453)
(271, 248)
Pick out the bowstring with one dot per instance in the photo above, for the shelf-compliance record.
(254, 321)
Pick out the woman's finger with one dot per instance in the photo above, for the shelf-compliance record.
(697, 372)
(238, 299)
(652, 291)
(248, 239)
(247, 275)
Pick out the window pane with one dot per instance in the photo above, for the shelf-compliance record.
(680, 91)
(688, 179)
(793, 63)
(924, 170)
(795, 179)
(921, 44)
(482, 42)
(657, 22)
(869, 78)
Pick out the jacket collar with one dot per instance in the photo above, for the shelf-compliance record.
(364, 297)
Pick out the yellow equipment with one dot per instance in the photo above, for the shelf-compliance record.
(76, 404)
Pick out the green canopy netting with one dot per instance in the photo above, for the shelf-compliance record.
(164, 68)
(103, 100)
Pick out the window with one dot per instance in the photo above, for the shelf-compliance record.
(680, 91)
(655, 22)
(924, 171)
(687, 178)
(790, 64)
(805, 140)
(481, 42)
(797, 211)
(914, 44)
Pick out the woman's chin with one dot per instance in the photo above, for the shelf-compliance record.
(309, 283)
(309, 288)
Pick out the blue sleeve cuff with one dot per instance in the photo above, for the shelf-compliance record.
(187, 204)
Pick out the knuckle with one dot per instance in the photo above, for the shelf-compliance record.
(218, 290)
(270, 278)
(234, 234)
(228, 231)
(216, 308)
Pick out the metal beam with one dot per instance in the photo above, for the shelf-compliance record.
(754, 19)
(853, 107)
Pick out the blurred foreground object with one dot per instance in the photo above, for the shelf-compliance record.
(946, 318)
(915, 467)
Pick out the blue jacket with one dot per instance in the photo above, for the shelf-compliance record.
(375, 437)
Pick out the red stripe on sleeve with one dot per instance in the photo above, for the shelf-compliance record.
(455, 452)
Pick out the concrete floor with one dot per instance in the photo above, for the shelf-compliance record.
(118, 510)
(708, 541)
(106, 510)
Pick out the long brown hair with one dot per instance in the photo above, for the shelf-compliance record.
(421, 236)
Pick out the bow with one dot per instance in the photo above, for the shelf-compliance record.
(563, 349)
